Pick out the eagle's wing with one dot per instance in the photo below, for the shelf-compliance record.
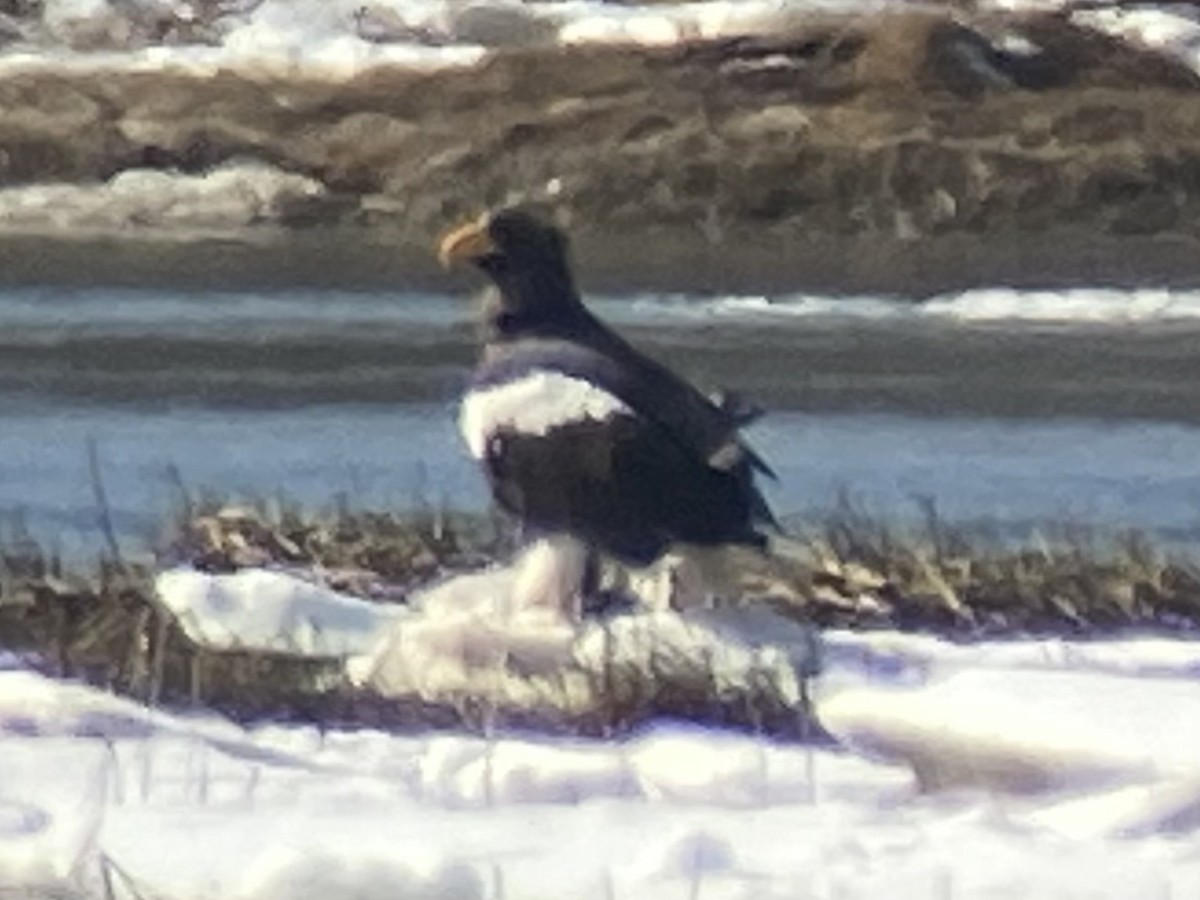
(574, 439)
(709, 430)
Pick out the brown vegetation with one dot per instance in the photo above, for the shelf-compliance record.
(103, 623)
(906, 151)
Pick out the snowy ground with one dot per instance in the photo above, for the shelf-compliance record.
(1033, 769)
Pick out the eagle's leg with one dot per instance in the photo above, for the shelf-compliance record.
(550, 577)
(673, 581)
(592, 575)
(600, 599)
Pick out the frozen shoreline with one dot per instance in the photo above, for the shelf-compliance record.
(177, 806)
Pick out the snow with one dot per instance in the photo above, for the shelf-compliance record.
(290, 873)
(1106, 730)
(1147, 731)
(234, 195)
(1173, 31)
(1073, 764)
(911, 656)
(1097, 307)
(273, 612)
(463, 636)
(339, 38)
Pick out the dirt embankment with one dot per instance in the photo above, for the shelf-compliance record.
(905, 152)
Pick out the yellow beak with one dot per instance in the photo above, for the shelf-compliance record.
(467, 242)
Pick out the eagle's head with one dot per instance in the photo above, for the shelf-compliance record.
(525, 258)
(509, 238)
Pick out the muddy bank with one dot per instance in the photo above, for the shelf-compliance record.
(352, 257)
(904, 153)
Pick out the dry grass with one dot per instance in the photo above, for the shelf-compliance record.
(376, 554)
(100, 622)
(862, 572)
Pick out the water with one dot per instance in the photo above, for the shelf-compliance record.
(1006, 406)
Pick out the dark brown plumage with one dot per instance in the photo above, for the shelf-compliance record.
(579, 433)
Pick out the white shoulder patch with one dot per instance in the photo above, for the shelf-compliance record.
(533, 404)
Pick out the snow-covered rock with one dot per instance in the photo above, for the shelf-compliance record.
(460, 641)
(232, 196)
(465, 641)
(271, 612)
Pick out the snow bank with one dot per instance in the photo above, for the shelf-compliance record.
(304, 875)
(464, 643)
(232, 196)
(271, 612)
(192, 806)
(458, 643)
(339, 38)
(1173, 30)
(913, 657)
(44, 836)
(1030, 769)
(343, 34)
(1104, 731)
(1017, 718)
(1024, 731)
(1091, 306)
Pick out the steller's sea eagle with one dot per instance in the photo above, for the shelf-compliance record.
(589, 444)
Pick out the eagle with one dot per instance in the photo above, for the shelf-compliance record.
(592, 446)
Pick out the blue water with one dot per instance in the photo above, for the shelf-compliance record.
(317, 395)
(1015, 473)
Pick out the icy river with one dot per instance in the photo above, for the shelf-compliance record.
(1008, 407)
